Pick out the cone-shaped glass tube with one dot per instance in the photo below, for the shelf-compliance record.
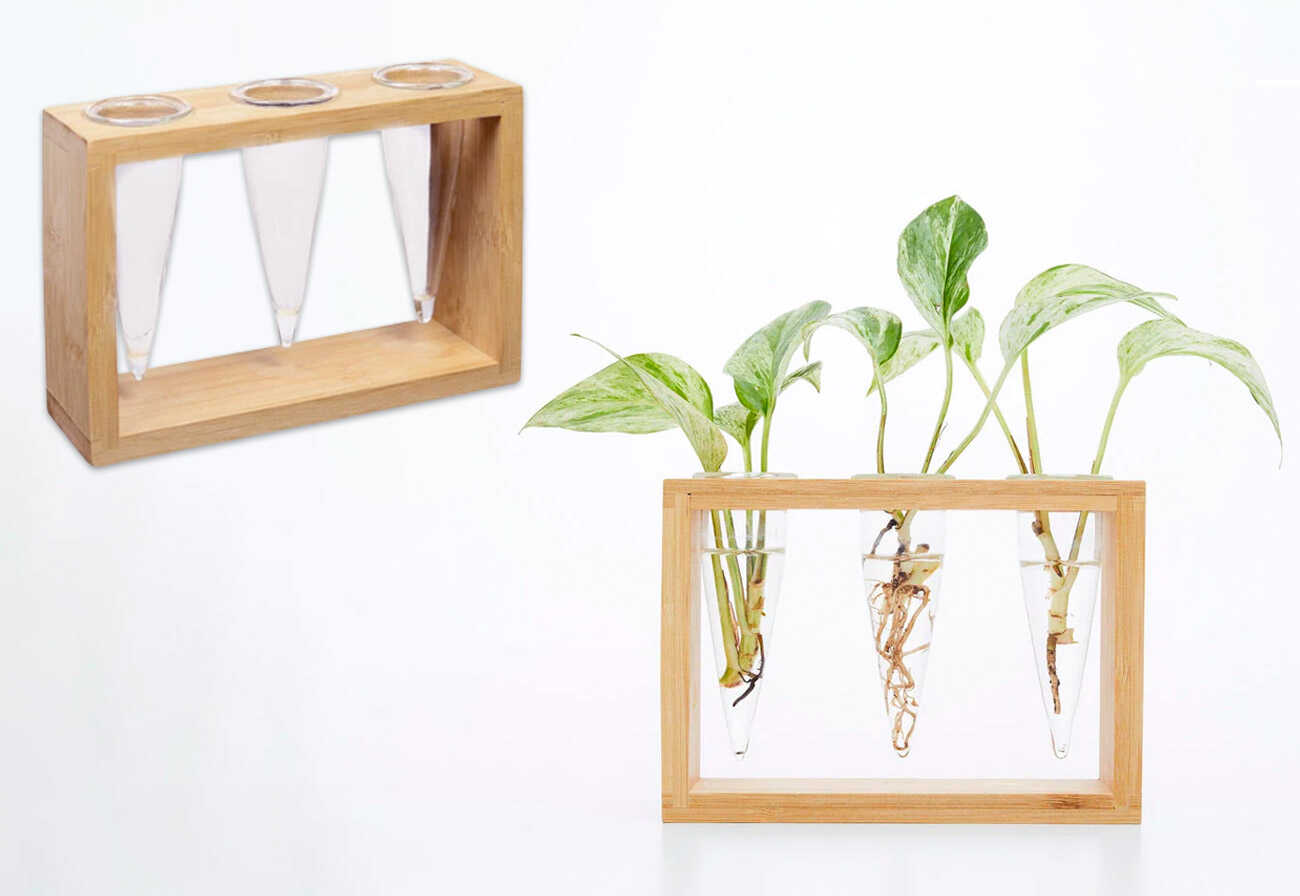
(422, 163)
(146, 194)
(1060, 571)
(741, 556)
(902, 560)
(284, 182)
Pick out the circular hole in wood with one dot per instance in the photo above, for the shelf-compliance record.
(424, 75)
(285, 92)
(138, 111)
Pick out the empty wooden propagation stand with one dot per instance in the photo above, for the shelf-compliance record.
(472, 343)
(1115, 796)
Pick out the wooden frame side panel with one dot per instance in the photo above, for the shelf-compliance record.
(679, 672)
(480, 297)
(1122, 615)
(63, 225)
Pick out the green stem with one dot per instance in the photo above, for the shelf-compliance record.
(731, 675)
(943, 408)
(997, 413)
(748, 644)
(1060, 595)
(758, 575)
(884, 414)
(979, 424)
(1105, 430)
(749, 514)
(1077, 545)
(1031, 423)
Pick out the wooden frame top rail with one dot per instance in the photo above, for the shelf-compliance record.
(1098, 495)
(219, 122)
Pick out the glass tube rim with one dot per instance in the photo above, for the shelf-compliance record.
(903, 476)
(382, 75)
(180, 108)
(741, 474)
(326, 93)
(1086, 477)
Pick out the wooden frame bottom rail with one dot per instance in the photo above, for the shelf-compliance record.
(231, 396)
(1114, 797)
(901, 801)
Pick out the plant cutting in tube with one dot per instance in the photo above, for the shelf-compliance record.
(902, 548)
(1056, 296)
(647, 393)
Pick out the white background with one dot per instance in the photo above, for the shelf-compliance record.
(417, 652)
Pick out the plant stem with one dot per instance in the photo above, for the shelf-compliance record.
(731, 674)
(1105, 430)
(884, 414)
(749, 514)
(744, 615)
(943, 408)
(979, 424)
(1031, 423)
(767, 434)
(1059, 590)
(997, 413)
(1042, 520)
(758, 575)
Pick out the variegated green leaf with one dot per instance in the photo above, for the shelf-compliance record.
(1063, 293)
(640, 394)
(615, 400)
(759, 365)
(879, 331)
(912, 349)
(810, 373)
(935, 252)
(1163, 338)
(737, 422)
(968, 335)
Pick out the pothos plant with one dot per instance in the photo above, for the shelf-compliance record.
(645, 393)
(650, 392)
(935, 253)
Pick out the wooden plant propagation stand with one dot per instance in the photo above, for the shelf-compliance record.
(472, 343)
(1114, 797)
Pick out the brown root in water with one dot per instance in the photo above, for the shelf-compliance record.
(898, 605)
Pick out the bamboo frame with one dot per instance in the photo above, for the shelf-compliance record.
(473, 342)
(1114, 797)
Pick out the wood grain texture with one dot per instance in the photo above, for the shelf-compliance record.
(679, 662)
(473, 344)
(218, 122)
(899, 800)
(1122, 615)
(885, 494)
(63, 227)
(216, 399)
(1114, 797)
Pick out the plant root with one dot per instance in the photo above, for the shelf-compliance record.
(897, 605)
(1052, 677)
(752, 678)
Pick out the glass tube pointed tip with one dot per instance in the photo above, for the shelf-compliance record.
(1060, 749)
(137, 364)
(424, 307)
(286, 323)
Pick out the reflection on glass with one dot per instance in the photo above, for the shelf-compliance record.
(1060, 571)
(422, 163)
(146, 195)
(284, 182)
